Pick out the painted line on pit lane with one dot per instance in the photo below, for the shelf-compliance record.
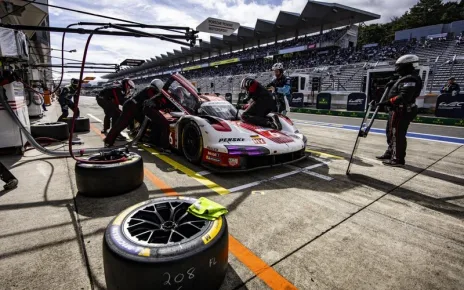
(323, 155)
(312, 173)
(283, 175)
(95, 118)
(412, 135)
(189, 172)
(262, 270)
(355, 118)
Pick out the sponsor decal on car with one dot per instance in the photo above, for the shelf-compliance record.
(227, 140)
(212, 149)
(214, 154)
(258, 140)
(450, 106)
(213, 159)
(233, 161)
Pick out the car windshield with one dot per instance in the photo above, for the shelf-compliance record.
(220, 109)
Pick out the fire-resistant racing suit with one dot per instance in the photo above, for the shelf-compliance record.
(402, 110)
(109, 100)
(66, 101)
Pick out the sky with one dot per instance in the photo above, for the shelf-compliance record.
(112, 49)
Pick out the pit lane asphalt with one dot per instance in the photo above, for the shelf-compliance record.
(379, 228)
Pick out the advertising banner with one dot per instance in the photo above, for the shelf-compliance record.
(297, 100)
(356, 102)
(226, 61)
(292, 49)
(323, 101)
(450, 106)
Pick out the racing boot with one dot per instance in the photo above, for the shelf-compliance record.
(393, 163)
(121, 138)
(13, 183)
(385, 156)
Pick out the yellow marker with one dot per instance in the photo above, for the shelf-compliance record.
(145, 252)
(209, 236)
(325, 155)
(189, 172)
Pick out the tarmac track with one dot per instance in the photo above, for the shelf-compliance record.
(305, 226)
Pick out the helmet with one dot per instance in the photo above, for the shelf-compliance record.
(157, 83)
(406, 64)
(184, 97)
(74, 82)
(246, 83)
(127, 85)
(278, 66)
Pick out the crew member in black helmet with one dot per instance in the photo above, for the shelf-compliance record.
(262, 104)
(133, 109)
(110, 98)
(401, 105)
(66, 100)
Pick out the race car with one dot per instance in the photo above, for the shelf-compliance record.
(207, 130)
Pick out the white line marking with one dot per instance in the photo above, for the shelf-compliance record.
(315, 174)
(283, 175)
(383, 134)
(329, 116)
(203, 173)
(95, 118)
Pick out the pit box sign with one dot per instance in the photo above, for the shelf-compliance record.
(297, 100)
(132, 62)
(356, 102)
(450, 106)
(218, 26)
(323, 101)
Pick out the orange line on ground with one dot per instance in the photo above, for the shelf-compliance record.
(262, 270)
(265, 272)
(159, 183)
(96, 130)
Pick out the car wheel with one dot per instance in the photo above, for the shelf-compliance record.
(102, 180)
(157, 244)
(192, 143)
(82, 124)
(56, 130)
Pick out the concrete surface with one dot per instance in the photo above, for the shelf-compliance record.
(379, 228)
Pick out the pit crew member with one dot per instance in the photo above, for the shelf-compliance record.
(282, 87)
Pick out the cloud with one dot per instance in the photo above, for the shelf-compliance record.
(109, 49)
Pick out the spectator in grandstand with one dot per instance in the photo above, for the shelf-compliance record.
(451, 87)
(261, 105)
(402, 109)
(282, 86)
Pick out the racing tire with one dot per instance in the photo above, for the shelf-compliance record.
(192, 143)
(142, 248)
(104, 180)
(82, 124)
(56, 130)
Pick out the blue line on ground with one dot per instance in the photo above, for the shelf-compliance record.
(414, 135)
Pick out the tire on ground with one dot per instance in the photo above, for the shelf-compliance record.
(82, 124)
(156, 244)
(192, 151)
(103, 180)
(57, 130)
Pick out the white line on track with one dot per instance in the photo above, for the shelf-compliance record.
(283, 175)
(312, 173)
(95, 118)
(376, 133)
(306, 114)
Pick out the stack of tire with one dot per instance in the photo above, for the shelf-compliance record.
(157, 244)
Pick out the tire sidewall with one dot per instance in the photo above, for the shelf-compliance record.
(192, 126)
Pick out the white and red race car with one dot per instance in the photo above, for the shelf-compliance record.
(207, 130)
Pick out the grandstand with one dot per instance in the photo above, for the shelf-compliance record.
(331, 55)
